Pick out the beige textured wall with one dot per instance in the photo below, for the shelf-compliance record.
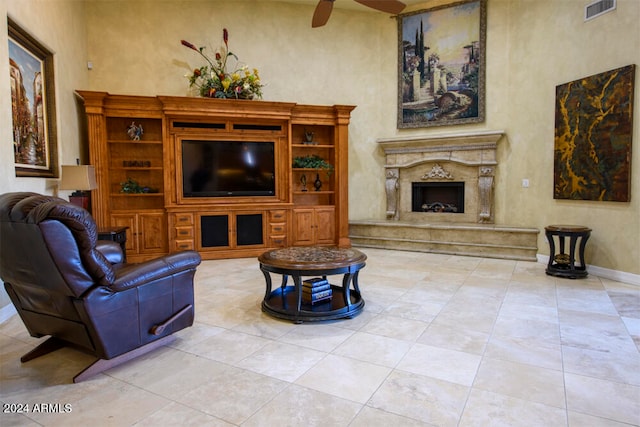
(60, 26)
(550, 44)
(135, 48)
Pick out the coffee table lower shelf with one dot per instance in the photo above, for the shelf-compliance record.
(282, 303)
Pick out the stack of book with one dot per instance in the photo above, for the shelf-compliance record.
(316, 290)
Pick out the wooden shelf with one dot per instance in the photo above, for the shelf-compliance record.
(312, 193)
(138, 168)
(310, 146)
(129, 142)
(137, 194)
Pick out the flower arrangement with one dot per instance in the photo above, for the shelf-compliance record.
(214, 80)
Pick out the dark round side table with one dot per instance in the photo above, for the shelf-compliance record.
(286, 301)
(562, 264)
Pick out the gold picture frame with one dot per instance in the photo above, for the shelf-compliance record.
(441, 65)
(33, 106)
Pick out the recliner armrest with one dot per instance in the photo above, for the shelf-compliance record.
(111, 251)
(132, 275)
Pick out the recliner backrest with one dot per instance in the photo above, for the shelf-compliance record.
(47, 252)
(83, 228)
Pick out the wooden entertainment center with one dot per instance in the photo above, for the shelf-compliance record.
(163, 215)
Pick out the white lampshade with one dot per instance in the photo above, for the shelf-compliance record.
(78, 177)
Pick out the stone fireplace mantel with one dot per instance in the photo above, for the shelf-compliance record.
(441, 161)
(466, 157)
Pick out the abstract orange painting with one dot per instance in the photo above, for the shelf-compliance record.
(593, 129)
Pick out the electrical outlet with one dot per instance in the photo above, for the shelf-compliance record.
(525, 183)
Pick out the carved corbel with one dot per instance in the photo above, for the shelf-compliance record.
(485, 194)
(391, 186)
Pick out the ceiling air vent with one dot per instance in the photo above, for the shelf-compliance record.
(598, 8)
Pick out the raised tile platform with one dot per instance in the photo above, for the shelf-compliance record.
(485, 240)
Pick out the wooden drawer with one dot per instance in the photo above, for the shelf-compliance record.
(277, 229)
(183, 232)
(279, 215)
(181, 219)
(278, 241)
(184, 245)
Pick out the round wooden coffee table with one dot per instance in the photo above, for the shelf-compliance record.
(286, 302)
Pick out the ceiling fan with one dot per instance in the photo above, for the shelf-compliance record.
(324, 8)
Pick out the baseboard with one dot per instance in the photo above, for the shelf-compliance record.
(605, 273)
(6, 312)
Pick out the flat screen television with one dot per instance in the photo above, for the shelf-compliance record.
(228, 168)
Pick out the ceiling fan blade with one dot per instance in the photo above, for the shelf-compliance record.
(322, 13)
(388, 6)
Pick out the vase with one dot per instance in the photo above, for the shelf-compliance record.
(317, 183)
(308, 138)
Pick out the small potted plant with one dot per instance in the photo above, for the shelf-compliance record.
(312, 162)
(131, 186)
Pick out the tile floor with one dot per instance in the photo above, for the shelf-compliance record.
(443, 341)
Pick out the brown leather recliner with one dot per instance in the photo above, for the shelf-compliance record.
(66, 284)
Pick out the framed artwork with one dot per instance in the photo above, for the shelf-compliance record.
(441, 65)
(33, 107)
(593, 132)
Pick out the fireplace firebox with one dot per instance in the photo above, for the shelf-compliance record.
(447, 197)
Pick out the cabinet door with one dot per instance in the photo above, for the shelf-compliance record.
(127, 220)
(146, 233)
(325, 225)
(152, 232)
(249, 229)
(303, 224)
(314, 226)
(232, 231)
(215, 231)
